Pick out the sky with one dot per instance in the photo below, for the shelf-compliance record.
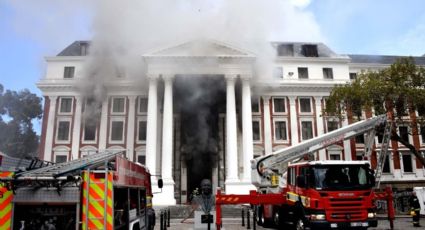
(33, 30)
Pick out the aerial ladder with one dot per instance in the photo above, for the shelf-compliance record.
(266, 171)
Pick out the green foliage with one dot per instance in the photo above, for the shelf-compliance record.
(17, 136)
(399, 88)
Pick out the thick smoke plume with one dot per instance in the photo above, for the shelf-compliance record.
(125, 30)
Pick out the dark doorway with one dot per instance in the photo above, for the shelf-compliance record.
(199, 100)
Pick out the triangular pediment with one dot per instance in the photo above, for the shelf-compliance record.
(200, 48)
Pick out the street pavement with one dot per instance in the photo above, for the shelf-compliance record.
(401, 223)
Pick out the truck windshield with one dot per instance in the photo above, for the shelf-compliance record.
(341, 177)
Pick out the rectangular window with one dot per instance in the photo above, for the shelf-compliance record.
(89, 131)
(63, 131)
(65, 105)
(404, 133)
(285, 50)
(279, 105)
(335, 157)
(302, 73)
(328, 73)
(353, 76)
(305, 105)
(280, 130)
(143, 105)
(255, 106)
(386, 168)
(61, 158)
(332, 125)
(118, 105)
(307, 130)
(310, 50)
(407, 162)
(117, 130)
(69, 72)
(142, 131)
(141, 159)
(256, 135)
(278, 73)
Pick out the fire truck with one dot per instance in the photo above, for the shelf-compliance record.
(100, 191)
(294, 190)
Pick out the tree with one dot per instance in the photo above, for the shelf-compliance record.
(17, 111)
(398, 91)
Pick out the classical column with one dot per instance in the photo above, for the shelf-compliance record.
(50, 127)
(320, 126)
(231, 135)
(167, 195)
(151, 126)
(294, 120)
(103, 125)
(248, 150)
(130, 126)
(268, 149)
(76, 130)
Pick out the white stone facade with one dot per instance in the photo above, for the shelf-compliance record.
(251, 116)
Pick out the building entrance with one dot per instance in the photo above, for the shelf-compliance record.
(199, 101)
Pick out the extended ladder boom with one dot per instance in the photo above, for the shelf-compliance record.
(61, 169)
(263, 166)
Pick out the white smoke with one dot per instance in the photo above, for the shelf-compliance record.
(131, 28)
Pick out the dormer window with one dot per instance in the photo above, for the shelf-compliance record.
(285, 50)
(84, 46)
(310, 50)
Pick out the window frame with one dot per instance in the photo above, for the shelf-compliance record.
(67, 74)
(60, 106)
(276, 70)
(112, 105)
(327, 120)
(281, 119)
(326, 71)
(83, 140)
(259, 130)
(140, 119)
(299, 106)
(303, 68)
(117, 119)
(284, 106)
(301, 120)
(403, 153)
(139, 100)
(258, 100)
(59, 120)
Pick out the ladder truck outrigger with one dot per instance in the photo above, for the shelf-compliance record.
(100, 191)
(296, 192)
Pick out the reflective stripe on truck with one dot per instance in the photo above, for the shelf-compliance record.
(6, 197)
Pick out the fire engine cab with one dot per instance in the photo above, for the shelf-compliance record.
(99, 191)
(295, 190)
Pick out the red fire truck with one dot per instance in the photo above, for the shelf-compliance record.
(99, 191)
(295, 191)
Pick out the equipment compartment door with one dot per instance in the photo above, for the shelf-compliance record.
(36, 216)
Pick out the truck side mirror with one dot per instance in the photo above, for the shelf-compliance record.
(301, 181)
(160, 183)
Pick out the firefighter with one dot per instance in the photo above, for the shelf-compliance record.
(415, 209)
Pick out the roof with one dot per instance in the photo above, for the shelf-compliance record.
(382, 59)
(77, 48)
(297, 49)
